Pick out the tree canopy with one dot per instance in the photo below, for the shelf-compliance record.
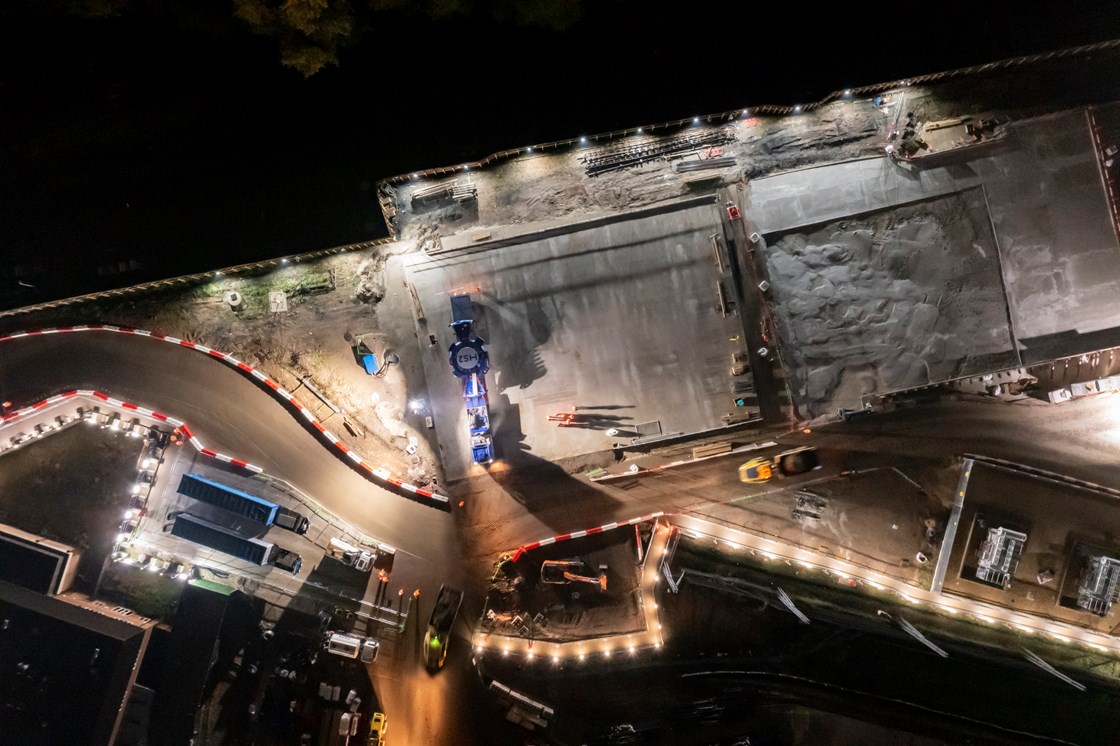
(310, 34)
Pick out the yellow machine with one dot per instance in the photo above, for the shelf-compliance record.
(785, 464)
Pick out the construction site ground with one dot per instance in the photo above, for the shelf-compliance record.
(866, 255)
(520, 603)
(333, 300)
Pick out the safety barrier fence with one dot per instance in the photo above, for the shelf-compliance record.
(764, 109)
(376, 473)
(250, 268)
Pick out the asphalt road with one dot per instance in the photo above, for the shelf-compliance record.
(507, 508)
(1077, 438)
(199, 390)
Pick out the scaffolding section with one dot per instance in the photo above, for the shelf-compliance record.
(649, 149)
(999, 555)
(1100, 585)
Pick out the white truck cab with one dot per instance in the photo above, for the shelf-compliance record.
(348, 554)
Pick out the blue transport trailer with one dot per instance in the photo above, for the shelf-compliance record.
(221, 539)
(242, 503)
(228, 498)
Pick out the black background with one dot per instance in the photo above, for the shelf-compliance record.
(175, 139)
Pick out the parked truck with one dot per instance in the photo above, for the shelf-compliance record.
(242, 503)
(439, 626)
(291, 520)
(785, 464)
(221, 539)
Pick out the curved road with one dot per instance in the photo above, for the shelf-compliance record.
(232, 414)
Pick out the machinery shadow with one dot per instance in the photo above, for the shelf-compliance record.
(535, 483)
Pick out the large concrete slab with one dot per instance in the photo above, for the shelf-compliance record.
(1056, 237)
(622, 321)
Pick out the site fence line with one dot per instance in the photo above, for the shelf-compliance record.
(321, 511)
(377, 474)
(763, 109)
(777, 538)
(197, 278)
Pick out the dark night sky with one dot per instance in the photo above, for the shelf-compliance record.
(183, 144)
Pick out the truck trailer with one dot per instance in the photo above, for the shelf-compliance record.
(241, 503)
(348, 554)
(221, 539)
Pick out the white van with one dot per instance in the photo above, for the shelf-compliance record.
(348, 554)
(370, 647)
(347, 646)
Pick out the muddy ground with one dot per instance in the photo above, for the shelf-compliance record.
(890, 301)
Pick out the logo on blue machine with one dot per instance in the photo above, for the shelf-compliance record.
(466, 358)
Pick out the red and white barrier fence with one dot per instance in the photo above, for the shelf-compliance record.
(130, 407)
(580, 534)
(378, 473)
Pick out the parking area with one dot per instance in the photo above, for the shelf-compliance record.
(343, 571)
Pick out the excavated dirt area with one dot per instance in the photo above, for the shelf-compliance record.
(890, 301)
(519, 602)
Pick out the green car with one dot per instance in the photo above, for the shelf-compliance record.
(439, 627)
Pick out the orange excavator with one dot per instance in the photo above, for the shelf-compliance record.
(572, 571)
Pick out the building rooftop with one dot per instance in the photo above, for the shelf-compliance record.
(65, 671)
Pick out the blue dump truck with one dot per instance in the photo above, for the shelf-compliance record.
(242, 503)
(221, 539)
